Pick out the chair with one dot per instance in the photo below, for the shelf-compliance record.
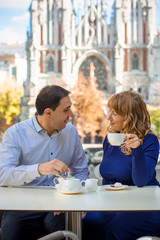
(60, 235)
(53, 236)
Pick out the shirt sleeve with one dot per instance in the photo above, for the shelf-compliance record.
(11, 172)
(144, 160)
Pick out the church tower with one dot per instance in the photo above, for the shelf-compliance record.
(137, 50)
(64, 41)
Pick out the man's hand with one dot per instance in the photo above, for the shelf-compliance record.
(54, 166)
(57, 213)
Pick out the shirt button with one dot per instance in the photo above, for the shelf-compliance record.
(51, 153)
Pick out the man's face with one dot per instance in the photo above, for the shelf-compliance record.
(61, 115)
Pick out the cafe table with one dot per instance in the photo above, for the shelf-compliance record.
(49, 199)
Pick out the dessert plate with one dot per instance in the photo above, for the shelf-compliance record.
(114, 188)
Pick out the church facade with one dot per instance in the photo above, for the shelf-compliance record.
(63, 42)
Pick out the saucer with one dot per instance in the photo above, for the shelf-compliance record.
(70, 193)
(111, 188)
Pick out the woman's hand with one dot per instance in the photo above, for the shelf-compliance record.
(132, 141)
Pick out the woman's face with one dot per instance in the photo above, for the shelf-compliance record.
(116, 121)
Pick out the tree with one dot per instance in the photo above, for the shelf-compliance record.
(10, 97)
(88, 104)
(155, 120)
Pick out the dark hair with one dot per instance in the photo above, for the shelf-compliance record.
(49, 97)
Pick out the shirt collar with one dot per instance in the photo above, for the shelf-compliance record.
(36, 124)
(39, 128)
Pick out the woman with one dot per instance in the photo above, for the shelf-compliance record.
(133, 163)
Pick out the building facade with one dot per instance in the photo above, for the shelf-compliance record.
(13, 64)
(63, 42)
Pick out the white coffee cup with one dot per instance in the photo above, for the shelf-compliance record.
(91, 184)
(116, 139)
(58, 180)
(71, 185)
(58, 186)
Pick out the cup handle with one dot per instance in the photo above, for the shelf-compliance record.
(83, 181)
(124, 142)
(54, 180)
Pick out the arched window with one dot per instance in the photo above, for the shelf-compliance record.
(134, 61)
(50, 64)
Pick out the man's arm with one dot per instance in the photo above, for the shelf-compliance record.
(14, 174)
(11, 173)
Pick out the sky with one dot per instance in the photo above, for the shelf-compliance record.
(14, 20)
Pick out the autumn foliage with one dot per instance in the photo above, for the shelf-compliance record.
(10, 96)
(88, 104)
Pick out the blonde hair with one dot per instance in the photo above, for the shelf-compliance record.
(132, 108)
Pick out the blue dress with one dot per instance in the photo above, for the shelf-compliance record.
(135, 169)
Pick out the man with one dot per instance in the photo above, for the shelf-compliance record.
(33, 152)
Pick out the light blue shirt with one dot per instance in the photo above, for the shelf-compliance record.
(25, 145)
